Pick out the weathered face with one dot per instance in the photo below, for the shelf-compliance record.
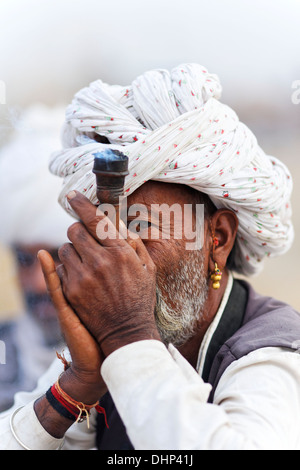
(34, 289)
(181, 273)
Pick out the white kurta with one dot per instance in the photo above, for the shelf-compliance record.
(162, 401)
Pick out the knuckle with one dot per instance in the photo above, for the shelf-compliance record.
(87, 281)
(123, 253)
(71, 292)
(74, 230)
(100, 263)
(60, 272)
(64, 251)
(72, 296)
(90, 217)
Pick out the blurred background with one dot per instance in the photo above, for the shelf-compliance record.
(50, 49)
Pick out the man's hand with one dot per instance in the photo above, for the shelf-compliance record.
(82, 380)
(110, 283)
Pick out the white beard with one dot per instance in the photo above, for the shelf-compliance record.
(187, 289)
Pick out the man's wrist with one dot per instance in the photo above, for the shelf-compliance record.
(81, 388)
(55, 424)
(117, 341)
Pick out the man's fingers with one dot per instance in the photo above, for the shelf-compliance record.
(137, 245)
(102, 229)
(62, 273)
(69, 257)
(96, 222)
(65, 312)
(75, 334)
(84, 245)
(51, 278)
(143, 254)
(85, 210)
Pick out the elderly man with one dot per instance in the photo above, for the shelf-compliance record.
(182, 355)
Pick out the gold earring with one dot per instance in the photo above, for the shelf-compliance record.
(216, 277)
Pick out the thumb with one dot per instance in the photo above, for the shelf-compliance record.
(66, 315)
(82, 346)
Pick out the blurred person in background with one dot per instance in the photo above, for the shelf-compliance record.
(30, 218)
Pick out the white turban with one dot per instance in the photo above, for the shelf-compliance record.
(173, 129)
(29, 208)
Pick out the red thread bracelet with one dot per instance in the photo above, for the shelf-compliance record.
(78, 409)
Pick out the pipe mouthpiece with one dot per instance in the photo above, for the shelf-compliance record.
(110, 168)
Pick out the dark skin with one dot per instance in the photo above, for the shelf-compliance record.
(125, 268)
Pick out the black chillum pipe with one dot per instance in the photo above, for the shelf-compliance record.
(110, 168)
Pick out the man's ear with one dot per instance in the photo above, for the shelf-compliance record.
(223, 226)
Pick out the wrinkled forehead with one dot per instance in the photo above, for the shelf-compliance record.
(167, 211)
(154, 192)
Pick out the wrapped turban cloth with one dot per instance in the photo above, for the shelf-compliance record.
(174, 129)
(29, 209)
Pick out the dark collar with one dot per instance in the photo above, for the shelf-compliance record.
(230, 322)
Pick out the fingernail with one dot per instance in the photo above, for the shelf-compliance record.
(71, 195)
(39, 253)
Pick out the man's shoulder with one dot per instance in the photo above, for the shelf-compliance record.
(267, 322)
(262, 307)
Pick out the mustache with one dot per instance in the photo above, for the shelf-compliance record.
(180, 300)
